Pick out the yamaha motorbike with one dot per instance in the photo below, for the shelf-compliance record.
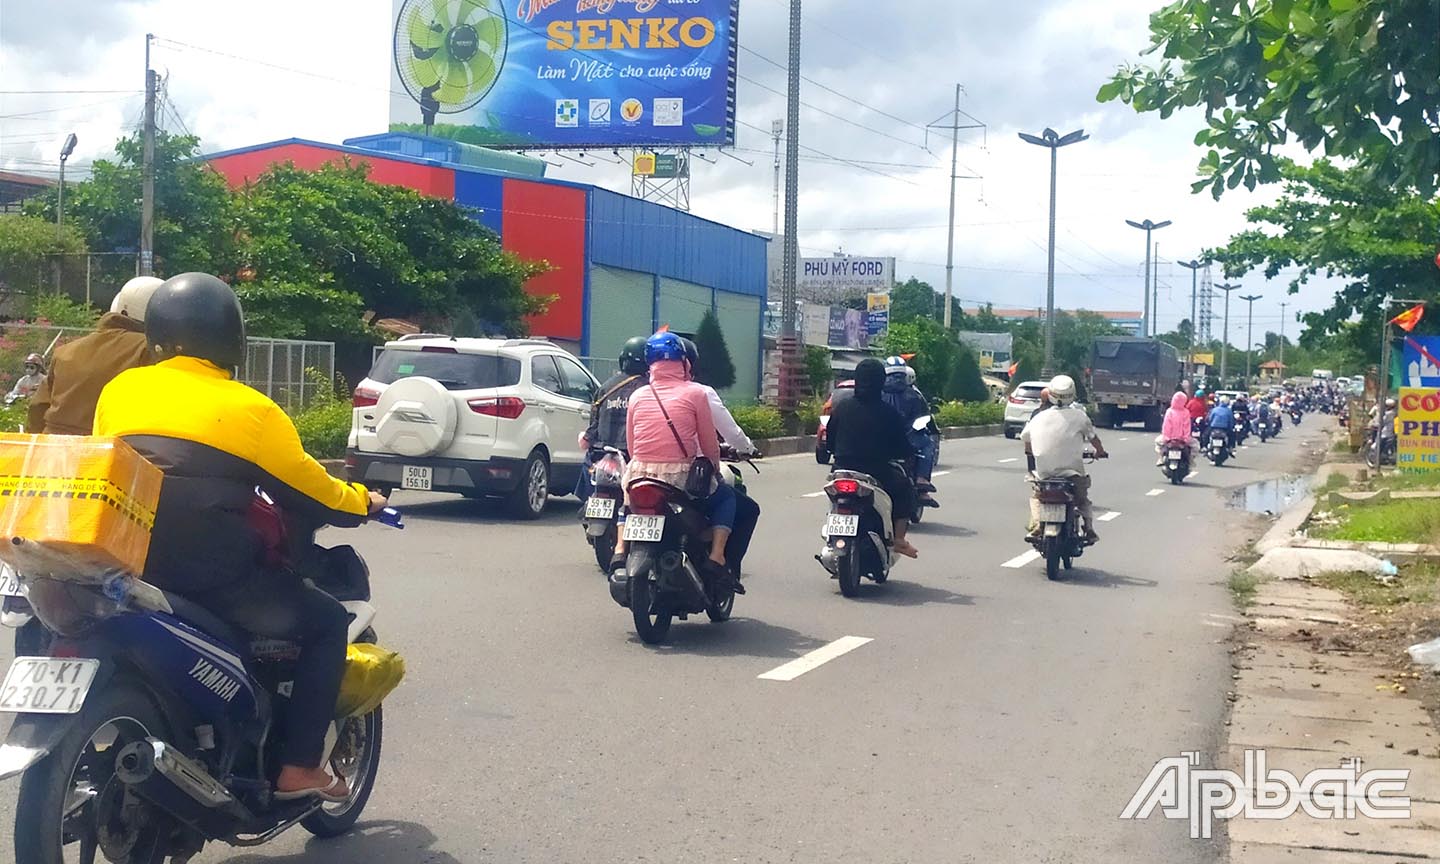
(858, 531)
(148, 728)
(603, 508)
(667, 537)
(923, 434)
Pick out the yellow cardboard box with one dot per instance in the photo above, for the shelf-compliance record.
(83, 506)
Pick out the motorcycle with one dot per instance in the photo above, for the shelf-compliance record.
(858, 531)
(1217, 450)
(921, 432)
(1384, 454)
(602, 509)
(1060, 537)
(1242, 427)
(1295, 415)
(1177, 461)
(147, 730)
(15, 612)
(666, 533)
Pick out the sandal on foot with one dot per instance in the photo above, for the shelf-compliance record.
(329, 793)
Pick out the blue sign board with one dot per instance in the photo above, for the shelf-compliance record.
(549, 74)
(1421, 362)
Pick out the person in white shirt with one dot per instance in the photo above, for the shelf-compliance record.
(747, 512)
(1055, 442)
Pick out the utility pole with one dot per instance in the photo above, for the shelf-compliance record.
(1052, 140)
(1250, 331)
(1155, 294)
(777, 131)
(789, 343)
(1147, 226)
(1194, 268)
(1282, 340)
(954, 127)
(146, 264)
(1225, 338)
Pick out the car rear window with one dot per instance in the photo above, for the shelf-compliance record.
(453, 370)
(1023, 392)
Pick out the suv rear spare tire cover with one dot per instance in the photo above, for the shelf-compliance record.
(418, 417)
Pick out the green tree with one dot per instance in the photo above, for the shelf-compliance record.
(323, 246)
(715, 367)
(1357, 78)
(933, 348)
(913, 299)
(818, 371)
(1335, 221)
(194, 223)
(986, 321)
(29, 250)
(965, 384)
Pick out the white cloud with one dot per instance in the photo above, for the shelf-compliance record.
(1024, 66)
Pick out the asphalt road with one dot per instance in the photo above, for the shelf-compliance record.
(993, 717)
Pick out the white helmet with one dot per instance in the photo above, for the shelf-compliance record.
(134, 297)
(1062, 389)
(910, 375)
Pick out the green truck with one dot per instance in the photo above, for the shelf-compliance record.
(1132, 380)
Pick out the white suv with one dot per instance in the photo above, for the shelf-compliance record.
(482, 417)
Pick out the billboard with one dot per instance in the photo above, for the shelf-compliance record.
(1421, 361)
(1418, 430)
(845, 276)
(877, 316)
(549, 74)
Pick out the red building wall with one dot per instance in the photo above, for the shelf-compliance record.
(239, 167)
(546, 222)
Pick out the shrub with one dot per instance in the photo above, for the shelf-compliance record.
(12, 417)
(969, 414)
(808, 414)
(965, 384)
(324, 424)
(715, 367)
(759, 421)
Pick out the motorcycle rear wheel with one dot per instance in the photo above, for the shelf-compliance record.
(849, 573)
(1051, 550)
(719, 612)
(651, 628)
(56, 818)
(359, 747)
(605, 548)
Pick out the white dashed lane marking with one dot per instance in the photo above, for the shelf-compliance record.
(1108, 517)
(813, 494)
(1021, 560)
(1011, 459)
(815, 659)
(1153, 492)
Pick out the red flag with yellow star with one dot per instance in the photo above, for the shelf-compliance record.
(1409, 318)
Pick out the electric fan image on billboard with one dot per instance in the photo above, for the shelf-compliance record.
(448, 54)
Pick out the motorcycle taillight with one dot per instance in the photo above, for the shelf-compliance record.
(648, 499)
(847, 487)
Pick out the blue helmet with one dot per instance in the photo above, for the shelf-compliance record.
(664, 346)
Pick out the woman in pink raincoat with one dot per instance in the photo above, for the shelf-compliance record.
(1175, 431)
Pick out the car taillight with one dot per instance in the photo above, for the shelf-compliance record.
(1016, 400)
(364, 397)
(847, 487)
(647, 499)
(505, 407)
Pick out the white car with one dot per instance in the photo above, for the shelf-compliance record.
(481, 417)
(1022, 402)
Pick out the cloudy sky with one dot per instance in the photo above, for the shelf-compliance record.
(239, 74)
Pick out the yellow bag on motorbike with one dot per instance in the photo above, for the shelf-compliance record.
(371, 672)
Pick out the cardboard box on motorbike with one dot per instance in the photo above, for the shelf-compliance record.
(83, 507)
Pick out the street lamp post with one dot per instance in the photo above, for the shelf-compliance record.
(1225, 340)
(65, 151)
(1249, 331)
(1054, 141)
(1194, 268)
(1147, 226)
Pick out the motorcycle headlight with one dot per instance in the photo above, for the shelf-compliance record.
(69, 608)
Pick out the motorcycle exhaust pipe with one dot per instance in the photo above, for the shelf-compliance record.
(181, 787)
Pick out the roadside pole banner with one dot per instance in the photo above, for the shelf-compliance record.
(877, 318)
(1418, 435)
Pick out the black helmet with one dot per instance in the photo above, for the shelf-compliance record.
(632, 356)
(692, 353)
(196, 315)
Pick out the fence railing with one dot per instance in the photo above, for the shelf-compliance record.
(275, 367)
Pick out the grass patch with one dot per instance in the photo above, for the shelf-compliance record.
(1417, 583)
(1334, 483)
(1405, 521)
(1243, 585)
(1398, 482)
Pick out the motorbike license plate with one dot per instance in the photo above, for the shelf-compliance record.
(1177, 454)
(10, 582)
(1052, 512)
(599, 508)
(645, 529)
(418, 477)
(842, 525)
(45, 685)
